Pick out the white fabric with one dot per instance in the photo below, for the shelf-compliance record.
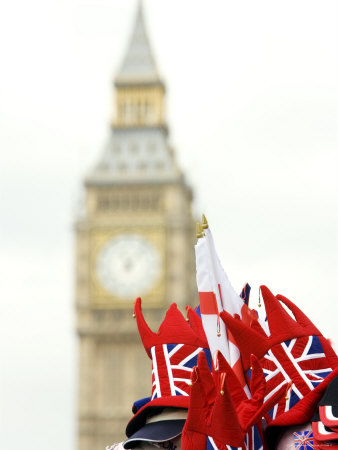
(209, 275)
(206, 283)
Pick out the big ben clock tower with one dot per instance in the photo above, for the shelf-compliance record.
(135, 239)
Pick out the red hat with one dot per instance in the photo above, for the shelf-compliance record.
(173, 351)
(220, 413)
(295, 351)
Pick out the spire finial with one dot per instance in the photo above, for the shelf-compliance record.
(205, 224)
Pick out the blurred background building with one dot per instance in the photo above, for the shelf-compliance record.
(135, 238)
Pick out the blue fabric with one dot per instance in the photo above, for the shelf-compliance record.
(245, 294)
(138, 404)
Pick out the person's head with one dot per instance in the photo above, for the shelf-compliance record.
(162, 430)
(172, 444)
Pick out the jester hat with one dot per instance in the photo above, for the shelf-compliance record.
(220, 413)
(295, 351)
(173, 351)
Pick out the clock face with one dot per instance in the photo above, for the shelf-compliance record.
(128, 265)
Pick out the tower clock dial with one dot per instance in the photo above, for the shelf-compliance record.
(128, 265)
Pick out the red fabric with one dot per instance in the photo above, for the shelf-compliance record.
(238, 368)
(174, 329)
(328, 422)
(220, 409)
(282, 327)
(210, 413)
(195, 322)
(208, 303)
(323, 436)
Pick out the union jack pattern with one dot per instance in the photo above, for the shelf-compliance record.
(211, 445)
(301, 361)
(255, 441)
(172, 367)
(303, 440)
(252, 442)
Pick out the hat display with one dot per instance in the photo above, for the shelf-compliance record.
(173, 351)
(293, 360)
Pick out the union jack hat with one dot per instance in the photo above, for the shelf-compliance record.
(295, 352)
(173, 350)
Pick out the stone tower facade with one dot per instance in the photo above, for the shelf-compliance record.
(135, 239)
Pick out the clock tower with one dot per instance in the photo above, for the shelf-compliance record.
(135, 238)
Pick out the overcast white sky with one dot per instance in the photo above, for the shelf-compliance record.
(252, 110)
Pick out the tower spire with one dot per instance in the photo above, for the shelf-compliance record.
(138, 66)
(138, 150)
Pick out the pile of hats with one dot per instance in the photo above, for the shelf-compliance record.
(197, 404)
